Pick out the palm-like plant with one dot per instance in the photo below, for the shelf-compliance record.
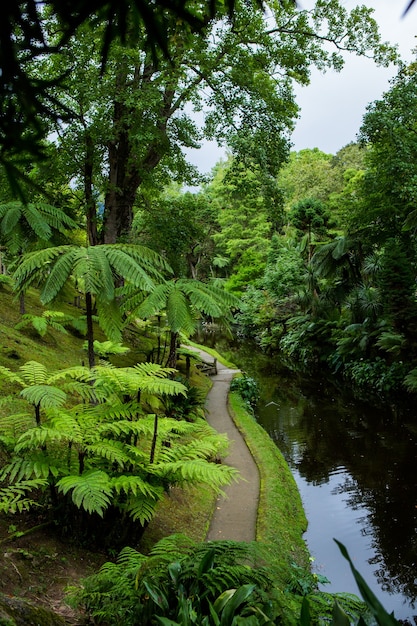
(183, 300)
(95, 269)
(23, 225)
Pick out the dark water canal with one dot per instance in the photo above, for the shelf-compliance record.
(355, 467)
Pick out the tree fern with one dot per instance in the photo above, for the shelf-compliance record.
(94, 268)
(107, 453)
(183, 300)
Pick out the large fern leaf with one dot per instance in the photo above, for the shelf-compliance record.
(16, 423)
(196, 471)
(135, 485)
(37, 464)
(44, 396)
(34, 373)
(142, 509)
(91, 491)
(38, 437)
(112, 451)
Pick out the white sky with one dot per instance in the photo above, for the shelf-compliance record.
(333, 105)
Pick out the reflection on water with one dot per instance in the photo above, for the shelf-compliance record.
(356, 471)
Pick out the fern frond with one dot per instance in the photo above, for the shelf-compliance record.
(13, 498)
(410, 380)
(16, 423)
(130, 558)
(179, 315)
(34, 373)
(37, 465)
(34, 265)
(144, 257)
(67, 424)
(10, 213)
(97, 273)
(125, 427)
(113, 451)
(59, 272)
(153, 369)
(79, 373)
(154, 302)
(135, 485)
(91, 491)
(173, 546)
(45, 396)
(38, 437)
(110, 319)
(193, 450)
(128, 265)
(12, 377)
(142, 509)
(199, 471)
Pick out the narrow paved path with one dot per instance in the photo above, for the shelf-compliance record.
(236, 512)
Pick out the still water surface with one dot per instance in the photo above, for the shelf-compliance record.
(355, 467)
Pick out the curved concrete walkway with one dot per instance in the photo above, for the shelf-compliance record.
(236, 512)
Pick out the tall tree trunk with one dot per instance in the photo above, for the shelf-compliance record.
(127, 168)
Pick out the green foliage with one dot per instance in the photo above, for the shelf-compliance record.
(376, 375)
(309, 215)
(248, 389)
(181, 582)
(95, 270)
(346, 609)
(108, 456)
(183, 301)
(42, 323)
(22, 224)
(13, 498)
(179, 227)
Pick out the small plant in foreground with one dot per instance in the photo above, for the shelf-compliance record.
(181, 582)
(248, 389)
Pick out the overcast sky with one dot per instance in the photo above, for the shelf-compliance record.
(333, 105)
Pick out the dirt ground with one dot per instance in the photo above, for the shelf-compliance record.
(39, 566)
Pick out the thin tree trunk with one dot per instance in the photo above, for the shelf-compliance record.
(90, 331)
(154, 439)
(88, 191)
(22, 306)
(172, 357)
